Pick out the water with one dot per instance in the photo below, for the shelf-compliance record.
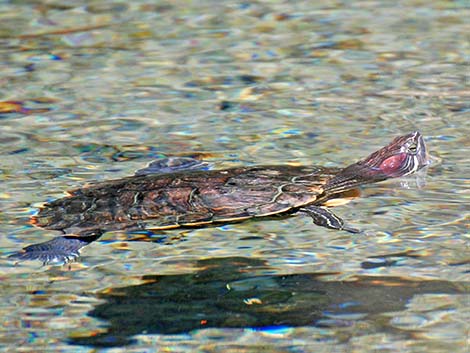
(95, 90)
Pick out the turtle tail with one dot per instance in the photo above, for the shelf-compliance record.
(59, 250)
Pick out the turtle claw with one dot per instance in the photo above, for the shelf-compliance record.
(350, 230)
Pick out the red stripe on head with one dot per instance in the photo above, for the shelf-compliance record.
(392, 164)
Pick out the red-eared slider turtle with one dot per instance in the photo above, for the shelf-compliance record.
(174, 193)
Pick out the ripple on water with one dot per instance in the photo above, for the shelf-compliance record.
(95, 92)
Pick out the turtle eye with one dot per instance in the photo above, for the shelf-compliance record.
(413, 148)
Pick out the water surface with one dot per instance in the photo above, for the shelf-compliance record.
(95, 90)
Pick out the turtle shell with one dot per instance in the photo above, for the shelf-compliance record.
(189, 198)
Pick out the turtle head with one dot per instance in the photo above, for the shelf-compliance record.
(404, 155)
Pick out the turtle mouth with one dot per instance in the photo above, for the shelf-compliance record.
(423, 158)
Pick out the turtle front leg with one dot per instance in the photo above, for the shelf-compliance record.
(323, 217)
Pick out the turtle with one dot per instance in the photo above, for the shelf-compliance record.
(183, 192)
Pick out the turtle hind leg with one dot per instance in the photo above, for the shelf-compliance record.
(58, 251)
(172, 165)
(325, 218)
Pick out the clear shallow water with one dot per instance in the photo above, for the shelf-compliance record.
(94, 91)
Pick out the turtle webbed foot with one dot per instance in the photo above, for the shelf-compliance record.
(59, 250)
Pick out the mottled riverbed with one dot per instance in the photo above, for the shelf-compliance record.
(94, 90)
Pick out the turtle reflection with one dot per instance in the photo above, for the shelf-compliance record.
(240, 293)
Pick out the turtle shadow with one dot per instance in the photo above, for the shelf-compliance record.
(237, 292)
